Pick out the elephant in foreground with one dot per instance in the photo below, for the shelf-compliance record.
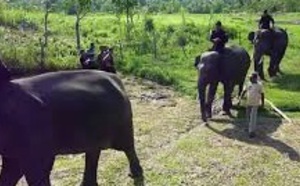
(272, 43)
(230, 68)
(64, 112)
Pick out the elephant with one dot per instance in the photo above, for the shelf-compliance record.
(229, 67)
(59, 113)
(272, 43)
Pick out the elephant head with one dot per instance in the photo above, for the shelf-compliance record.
(207, 65)
(268, 42)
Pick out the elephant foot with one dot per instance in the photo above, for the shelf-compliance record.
(139, 181)
(227, 113)
(136, 171)
(208, 115)
(89, 184)
(204, 119)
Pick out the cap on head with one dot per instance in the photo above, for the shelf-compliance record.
(265, 11)
(218, 23)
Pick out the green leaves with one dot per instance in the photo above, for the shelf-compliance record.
(78, 6)
(124, 5)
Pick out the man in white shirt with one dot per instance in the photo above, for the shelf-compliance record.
(255, 98)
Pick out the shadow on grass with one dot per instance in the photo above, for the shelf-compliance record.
(267, 124)
(288, 82)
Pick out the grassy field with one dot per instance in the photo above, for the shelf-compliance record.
(135, 56)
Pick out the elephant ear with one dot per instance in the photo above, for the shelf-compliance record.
(251, 36)
(197, 61)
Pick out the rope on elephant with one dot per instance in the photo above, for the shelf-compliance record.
(278, 111)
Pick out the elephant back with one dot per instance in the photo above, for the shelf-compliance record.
(281, 37)
(235, 62)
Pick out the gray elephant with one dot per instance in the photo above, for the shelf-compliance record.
(64, 112)
(230, 68)
(272, 43)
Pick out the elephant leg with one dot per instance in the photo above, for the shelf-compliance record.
(11, 172)
(91, 166)
(258, 65)
(211, 96)
(202, 96)
(37, 169)
(227, 104)
(136, 171)
(273, 65)
(277, 66)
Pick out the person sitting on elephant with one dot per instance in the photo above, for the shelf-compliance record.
(105, 59)
(265, 21)
(91, 52)
(219, 38)
(84, 60)
(255, 97)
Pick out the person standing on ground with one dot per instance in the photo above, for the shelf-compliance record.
(255, 98)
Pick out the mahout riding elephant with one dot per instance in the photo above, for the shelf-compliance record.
(229, 67)
(270, 42)
(65, 112)
(106, 60)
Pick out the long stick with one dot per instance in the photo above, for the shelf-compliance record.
(278, 111)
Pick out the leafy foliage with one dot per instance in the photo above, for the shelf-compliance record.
(174, 6)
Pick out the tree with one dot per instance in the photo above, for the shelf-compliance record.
(127, 7)
(150, 28)
(48, 4)
(80, 9)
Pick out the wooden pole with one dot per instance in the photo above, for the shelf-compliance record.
(278, 111)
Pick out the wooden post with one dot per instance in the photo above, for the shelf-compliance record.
(278, 111)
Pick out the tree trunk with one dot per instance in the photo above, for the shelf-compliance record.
(77, 31)
(44, 42)
(46, 28)
(42, 62)
(127, 20)
(154, 45)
